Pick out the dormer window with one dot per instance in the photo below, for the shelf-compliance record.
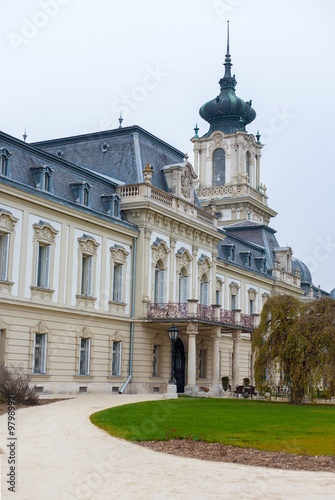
(43, 177)
(112, 204)
(81, 192)
(246, 257)
(4, 162)
(229, 250)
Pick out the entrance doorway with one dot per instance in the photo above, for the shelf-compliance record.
(179, 371)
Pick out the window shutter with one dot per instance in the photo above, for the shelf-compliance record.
(119, 344)
(161, 286)
(87, 356)
(43, 353)
(4, 248)
(184, 284)
(89, 275)
(119, 294)
(46, 266)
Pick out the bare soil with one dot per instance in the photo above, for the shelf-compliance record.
(218, 452)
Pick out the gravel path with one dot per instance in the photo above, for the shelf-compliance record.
(62, 456)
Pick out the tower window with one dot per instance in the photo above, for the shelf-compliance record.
(248, 166)
(219, 167)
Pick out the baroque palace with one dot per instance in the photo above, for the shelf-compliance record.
(107, 239)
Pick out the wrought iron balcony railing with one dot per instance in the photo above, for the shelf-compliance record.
(175, 311)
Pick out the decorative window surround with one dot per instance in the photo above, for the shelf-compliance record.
(234, 292)
(7, 235)
(39, 358)
(87, 256)
(160, 254)
(183, 271)
(81, 191)
(84, 334)
(43, 177)
(4, 162)
(112, 204)
(118, 261)
(115, 338)
(204, 272)
(44, 237)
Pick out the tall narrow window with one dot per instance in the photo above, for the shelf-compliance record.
(202, 363)
(39, 356)
(3, 165)
(85, 196)
(204, 290)
(84, 356)
(116, 358)
(155, 354)
(183, 286)
(251, 306)
(248, 166)
(4, 252)
(218, 297)
(86, 275)
(47, 181)
(159, 284)
(219, 167)
(233, 302)
(2, 346)
(117, 282)
(43, 265)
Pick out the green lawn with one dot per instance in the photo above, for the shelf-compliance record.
(308, 430)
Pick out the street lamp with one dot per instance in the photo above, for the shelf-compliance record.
(173, 334)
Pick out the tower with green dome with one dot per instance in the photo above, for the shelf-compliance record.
(227, 158)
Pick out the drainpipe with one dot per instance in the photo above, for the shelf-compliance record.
(132, 322)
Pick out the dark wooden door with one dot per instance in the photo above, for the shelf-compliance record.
(179, 371)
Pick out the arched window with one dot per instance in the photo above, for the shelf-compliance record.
(4, 162)
(159, 283)
(248, 166)
(183, 285)
(219, 167)
(204, 290)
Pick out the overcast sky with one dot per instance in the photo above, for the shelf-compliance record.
(70, 66)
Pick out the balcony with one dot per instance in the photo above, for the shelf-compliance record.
(142, 193)
(193, 311)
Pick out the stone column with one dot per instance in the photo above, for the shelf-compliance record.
(236, 357)
(215, 388)
(258, 157)
(191, 389)
(172, 283)
(193, 293)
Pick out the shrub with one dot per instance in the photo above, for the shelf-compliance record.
(14, 382)
(225, 383)
(246, 381)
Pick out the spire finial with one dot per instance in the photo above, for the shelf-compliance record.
(25, 134)
(227, 62)
(227, 37)
(120, 119)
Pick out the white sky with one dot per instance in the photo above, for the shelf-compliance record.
(69, 66)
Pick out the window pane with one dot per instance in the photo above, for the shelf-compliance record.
(4, 247)
(39, 363)
(84, 357)
(116, 359)
(219, 167)
(86, 275)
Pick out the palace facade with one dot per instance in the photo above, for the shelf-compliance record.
(107, 239)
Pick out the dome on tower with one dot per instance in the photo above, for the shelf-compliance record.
(227, 112)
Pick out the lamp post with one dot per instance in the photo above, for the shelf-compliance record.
(173, 334)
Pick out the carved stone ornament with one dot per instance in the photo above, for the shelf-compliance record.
(183, 260)
(252, 293)
(186, 183)
(219, 284)
(116, 336)
(234, 288)
(7, 221)
(88, 245)
(45, 232)
(218, 142)
(204, 266)
(160, 252)
(119, 254)
(41, 293)
(84, 301)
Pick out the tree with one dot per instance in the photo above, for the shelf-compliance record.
(298, 340)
